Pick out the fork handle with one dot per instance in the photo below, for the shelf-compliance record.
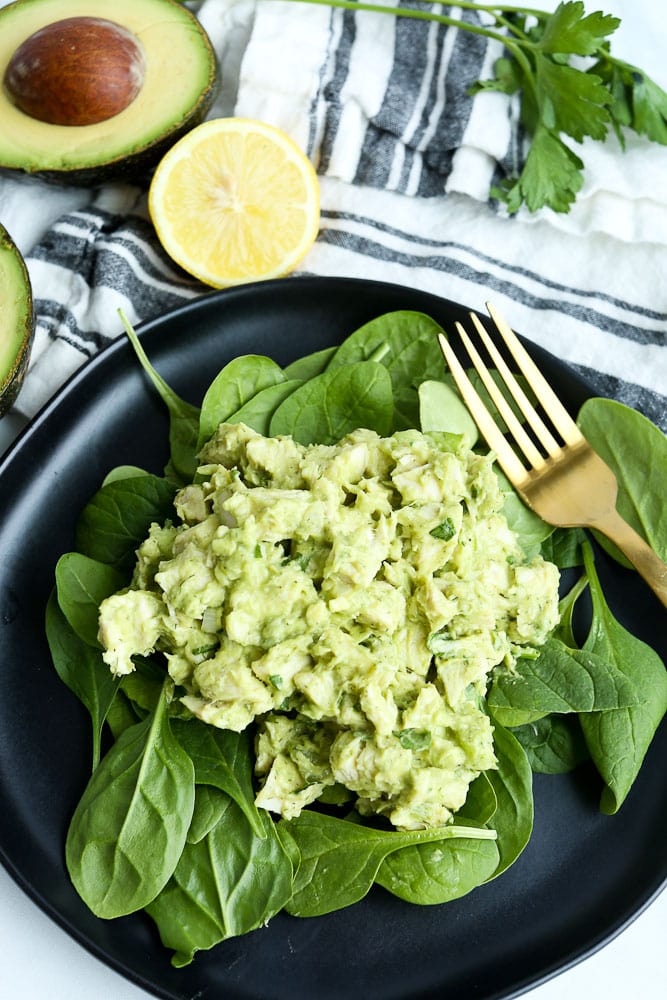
(643, 558)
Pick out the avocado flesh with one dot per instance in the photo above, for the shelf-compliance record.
(178, 89)
(16, 320)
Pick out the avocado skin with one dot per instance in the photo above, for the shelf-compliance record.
(136, 167)
(12, 379)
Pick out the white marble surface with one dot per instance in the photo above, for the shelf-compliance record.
(41, 960)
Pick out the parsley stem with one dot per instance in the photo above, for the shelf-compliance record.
(507, 24)
(497, 13)
(523, 60)
(422, 15)
(605, 56)
(513, 44)
(493, 9)
(541, 15)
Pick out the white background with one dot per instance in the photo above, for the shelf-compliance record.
(41, 961)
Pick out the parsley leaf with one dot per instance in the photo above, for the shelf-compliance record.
(444, 531)
(414, 739)
(637, 102)
(649, 106)
(568, 29)
(570, 100)
(618, 81)
(507, 78)
(552, 175)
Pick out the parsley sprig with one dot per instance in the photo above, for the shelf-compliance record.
(569, 84)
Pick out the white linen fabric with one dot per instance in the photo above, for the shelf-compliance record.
(406, 159)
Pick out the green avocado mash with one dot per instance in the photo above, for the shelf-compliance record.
(352, 600)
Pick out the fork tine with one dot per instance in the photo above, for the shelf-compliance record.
(561, 419)
(504, 409)
(507, 459)
(542, 432)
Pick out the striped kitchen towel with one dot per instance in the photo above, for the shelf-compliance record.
(406, 158)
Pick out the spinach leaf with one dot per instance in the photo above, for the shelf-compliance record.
(406, 408)
(340, 859)
(563, 547)
(561, 679)
(183, 417)
(566, 606)
(129, 828)
(618, 741)
(291, 850)
(118, 517)
(225, 760)
(442, 409)
(512, 783)
(509, 716)
(335, 795)
(310, 365)
(335, 403)
(227, 884)
(554, 744)
(636, 451)
(82, 669)
(527, 525)
(123, 472)
(257, 412)
(144, 685)
(481, 803)
(233, 387)
(121, 714)
(82, 584)
(437, 873)
(210, 804)
(445, 870)
(406, 343)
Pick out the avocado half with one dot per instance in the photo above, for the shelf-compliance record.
(179, 85)
(17, 324)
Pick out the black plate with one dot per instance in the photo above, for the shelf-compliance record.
(583, 876)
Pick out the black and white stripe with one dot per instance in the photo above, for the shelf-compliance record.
(89, 264)
(626, 340)
(418, 80)
(88, 257)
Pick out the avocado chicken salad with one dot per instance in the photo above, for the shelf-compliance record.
(353, 598)
(324, 650)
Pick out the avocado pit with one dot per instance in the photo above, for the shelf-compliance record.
(171, 67)
(76, 71)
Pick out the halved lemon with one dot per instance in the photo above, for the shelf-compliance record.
(235, 200)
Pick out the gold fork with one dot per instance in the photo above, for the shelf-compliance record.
(570, 486)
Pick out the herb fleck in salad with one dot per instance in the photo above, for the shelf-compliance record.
(325, 649)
